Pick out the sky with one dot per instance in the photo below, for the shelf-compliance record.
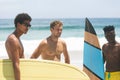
(61, 8)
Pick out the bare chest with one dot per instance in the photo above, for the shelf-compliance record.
(112, 53)
(54, 49)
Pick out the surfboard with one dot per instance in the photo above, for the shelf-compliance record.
(34, 69)
(92, 58)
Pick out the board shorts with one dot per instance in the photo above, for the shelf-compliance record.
(112, 75)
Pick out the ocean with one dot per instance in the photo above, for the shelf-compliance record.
(73, 34)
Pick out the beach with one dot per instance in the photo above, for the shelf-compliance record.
(74, 49)
(73, 35)
(74, 45)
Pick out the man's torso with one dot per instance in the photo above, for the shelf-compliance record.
(112, 57)
(52, 51)
(19, 46)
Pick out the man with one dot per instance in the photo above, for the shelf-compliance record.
(111, 54)
(52, 47)
(13, 43)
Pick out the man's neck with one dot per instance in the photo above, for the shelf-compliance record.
(54, 39)
(17, 34)
(112, 43)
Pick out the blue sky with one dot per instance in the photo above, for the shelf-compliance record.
(60, 8)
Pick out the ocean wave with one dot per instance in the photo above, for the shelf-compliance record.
(7, 28)
(43, 27)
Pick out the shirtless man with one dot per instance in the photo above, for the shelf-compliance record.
(111, 54)
(52, 47)
(13, 43)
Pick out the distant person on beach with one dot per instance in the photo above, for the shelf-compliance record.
(52, 47)
(13, 43)
(111, 54)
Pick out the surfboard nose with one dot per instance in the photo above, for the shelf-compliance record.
(89, 27)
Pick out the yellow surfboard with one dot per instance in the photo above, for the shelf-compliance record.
(33, 69)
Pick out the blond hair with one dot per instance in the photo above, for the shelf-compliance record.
(54, 23)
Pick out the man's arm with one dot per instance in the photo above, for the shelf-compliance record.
(66, 55)
(13, 48)
(103, 53)
(103, 57)
(35, 54)
(37, 51)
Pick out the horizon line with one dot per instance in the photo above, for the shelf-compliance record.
(69, 18)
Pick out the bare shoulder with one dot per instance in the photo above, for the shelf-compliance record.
(12, 39)
(104, 45)
(43, 42)
(11, 44)
(118, 45)
(62, 41)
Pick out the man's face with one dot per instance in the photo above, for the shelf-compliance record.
(56, 31)
(25, 26)
(110, 36)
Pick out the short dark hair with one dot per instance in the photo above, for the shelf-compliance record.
(20, 18)
(108, 28)
(54, 23)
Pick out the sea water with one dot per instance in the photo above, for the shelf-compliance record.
(72, 34)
